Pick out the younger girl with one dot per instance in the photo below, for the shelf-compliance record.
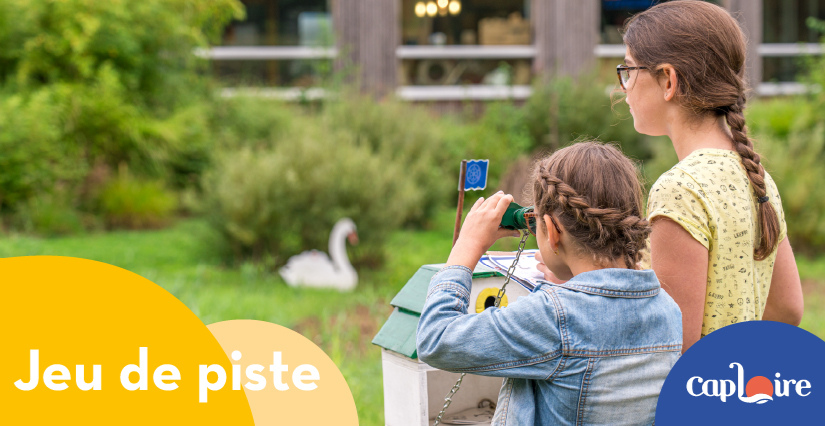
(595, 349)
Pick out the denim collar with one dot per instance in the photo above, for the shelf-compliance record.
(613, 282)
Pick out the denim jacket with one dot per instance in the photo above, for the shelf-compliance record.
(594, 350)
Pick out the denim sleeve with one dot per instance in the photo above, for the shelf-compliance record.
(519, 341)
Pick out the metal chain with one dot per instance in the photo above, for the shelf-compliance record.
(449, 398)
(512, 269)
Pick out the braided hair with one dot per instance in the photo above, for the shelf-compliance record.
(594, 192)
(706, 47)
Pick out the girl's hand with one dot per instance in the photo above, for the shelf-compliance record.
(548, 274)
(480, 230)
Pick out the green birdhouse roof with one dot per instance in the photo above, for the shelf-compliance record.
(398, 333)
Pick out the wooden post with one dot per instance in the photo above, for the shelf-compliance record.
(749, 15)
(566, 33)
(461, 181)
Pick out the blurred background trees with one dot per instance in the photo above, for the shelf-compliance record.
(108, 119)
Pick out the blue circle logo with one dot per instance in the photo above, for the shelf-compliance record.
(473, 173)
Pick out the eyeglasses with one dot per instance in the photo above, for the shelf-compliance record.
(623, 71)
(531, 219)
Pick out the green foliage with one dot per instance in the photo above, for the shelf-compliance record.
(403, 137)
(127, 202)
(36, 158)
(280, 202)
(49, 215)
(89, 81)
(564, 110)
(500, 135)
(816, 70)
(780, 116)
(797, 164)
(149, 44)
(249, 121)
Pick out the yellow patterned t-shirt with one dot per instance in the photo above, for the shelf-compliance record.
(708, 193)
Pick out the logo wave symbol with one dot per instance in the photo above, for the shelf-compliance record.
(759, 398)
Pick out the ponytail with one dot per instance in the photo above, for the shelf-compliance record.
(768, 220)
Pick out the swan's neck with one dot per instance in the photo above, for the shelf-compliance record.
(338, 249)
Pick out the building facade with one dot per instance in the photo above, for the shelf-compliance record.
(444, 50)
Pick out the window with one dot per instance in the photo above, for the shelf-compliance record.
(616, 12)
(277, 44)
(786, 22)
(281, 23)
(465, 43)
(468, 22)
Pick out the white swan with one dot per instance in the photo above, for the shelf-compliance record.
(315, 269)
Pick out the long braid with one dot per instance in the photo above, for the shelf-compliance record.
(606, 233)
(768, 220)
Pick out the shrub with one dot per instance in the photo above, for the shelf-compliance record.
(797, 164)
(249, 121)
(49, 215)
(148, 44)
(87, 81)
(127, 202)
(780, 116)
(285, 200)
(563, 110)
(35, 157)
(499, 135)
(405, 136)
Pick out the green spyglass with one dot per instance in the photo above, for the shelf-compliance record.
(517, 217)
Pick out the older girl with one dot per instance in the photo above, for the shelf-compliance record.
(719, 243)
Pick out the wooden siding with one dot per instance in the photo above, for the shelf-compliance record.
(749, 15)
(367, 34)
(566, 33)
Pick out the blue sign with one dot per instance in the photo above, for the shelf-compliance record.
(749, 373)
(476, 178)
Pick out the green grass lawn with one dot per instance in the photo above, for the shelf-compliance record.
(181, 260)
(343, 324)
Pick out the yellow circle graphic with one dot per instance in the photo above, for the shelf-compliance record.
(313, 390)
(487, 298)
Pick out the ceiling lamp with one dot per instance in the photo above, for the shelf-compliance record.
(437, 7)
(420, 9)
(432, 9)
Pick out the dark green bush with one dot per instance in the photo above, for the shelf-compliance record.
(406, 136)
(249, 121)
(780, 116)
(50, 215)
(86, 81)
(564, 110)
(500, 135)
(797, 164)
(148, 44)
(35, 157)
(127, 202)
(282, 201)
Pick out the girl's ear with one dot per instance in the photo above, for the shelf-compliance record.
(553, 235)
(670, 82)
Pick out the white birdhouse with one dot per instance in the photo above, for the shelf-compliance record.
(414, 391)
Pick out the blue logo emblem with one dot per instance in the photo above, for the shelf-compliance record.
(476, 178)
(755, 372)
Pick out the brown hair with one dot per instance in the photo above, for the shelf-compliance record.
(594, 192)
(706, 48)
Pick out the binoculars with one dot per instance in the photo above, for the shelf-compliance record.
(516, 217)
